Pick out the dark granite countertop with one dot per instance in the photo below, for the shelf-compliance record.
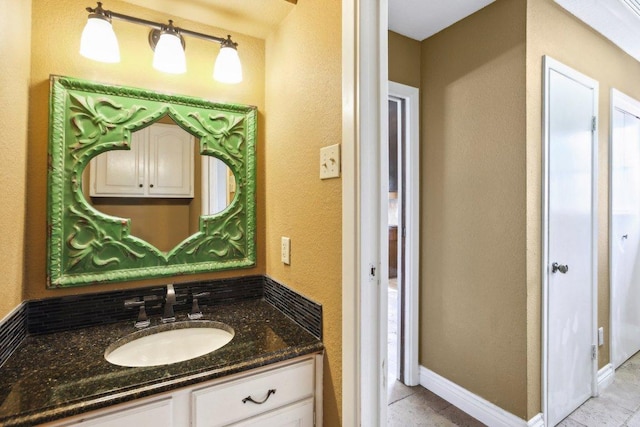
(62, 374)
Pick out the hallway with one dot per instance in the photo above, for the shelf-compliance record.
(617, 406)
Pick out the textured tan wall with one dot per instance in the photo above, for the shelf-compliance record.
(162, 223)
(404, 60)
(555, 32)
(473, 247)
(15, 33)
(59, 55)
(304, 113)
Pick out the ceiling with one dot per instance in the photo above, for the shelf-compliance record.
(252, 17)
(419, 19)
(617, 20)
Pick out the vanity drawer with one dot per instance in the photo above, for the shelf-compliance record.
(228, 402)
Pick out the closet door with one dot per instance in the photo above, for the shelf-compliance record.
(571, 245)
(625, 235)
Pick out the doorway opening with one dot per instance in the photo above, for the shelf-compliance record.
(402, 236)
(395, 217)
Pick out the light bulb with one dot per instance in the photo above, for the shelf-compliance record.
(98, 41)
(169, 56)
(227, 68)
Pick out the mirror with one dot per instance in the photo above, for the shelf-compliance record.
(143, 184)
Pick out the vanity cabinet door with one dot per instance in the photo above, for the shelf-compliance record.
(155, 414)
(241, 399)
(297, 415)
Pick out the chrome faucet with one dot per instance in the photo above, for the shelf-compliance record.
(170, 300)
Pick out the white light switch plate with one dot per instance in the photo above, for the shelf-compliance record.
(285, 250)
(330, 162)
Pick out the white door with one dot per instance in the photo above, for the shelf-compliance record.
(571, 147)
(625, 228)
(171, 159)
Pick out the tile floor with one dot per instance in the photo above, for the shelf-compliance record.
(618, 405)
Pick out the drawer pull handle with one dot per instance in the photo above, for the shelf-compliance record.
(250, 399)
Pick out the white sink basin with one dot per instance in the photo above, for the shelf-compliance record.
(169, 343)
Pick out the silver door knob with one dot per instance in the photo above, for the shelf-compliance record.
(559, 267)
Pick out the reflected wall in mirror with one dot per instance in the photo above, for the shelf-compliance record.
(143, 184)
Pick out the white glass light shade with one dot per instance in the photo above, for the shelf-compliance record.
(227, 68)
(169, 56)
(99, 42)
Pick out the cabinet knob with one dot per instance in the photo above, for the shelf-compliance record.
(151, 185)
(140, 185)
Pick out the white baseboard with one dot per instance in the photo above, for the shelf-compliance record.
(605, 376)
(537, 421)
(472, 404)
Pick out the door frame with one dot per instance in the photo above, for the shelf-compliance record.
(364, 125)
(623, 102)
(549, 64)
(411, 238)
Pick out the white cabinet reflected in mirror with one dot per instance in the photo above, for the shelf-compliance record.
(162, 184)
(159, 164)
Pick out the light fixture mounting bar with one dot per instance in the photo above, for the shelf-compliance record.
(155, 25)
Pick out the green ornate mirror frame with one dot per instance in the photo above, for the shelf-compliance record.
(86, 246)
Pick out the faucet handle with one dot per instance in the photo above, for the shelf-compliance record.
(133, 302)
(202, 295)
(196, 313)
(142, 321)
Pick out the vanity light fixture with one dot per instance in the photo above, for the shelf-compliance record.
(99, 43)
(98, 40)
(169, 51)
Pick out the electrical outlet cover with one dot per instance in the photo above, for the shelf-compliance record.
(285, 250)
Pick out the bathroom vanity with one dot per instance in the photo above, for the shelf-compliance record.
(62, 378)
(280, 394)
